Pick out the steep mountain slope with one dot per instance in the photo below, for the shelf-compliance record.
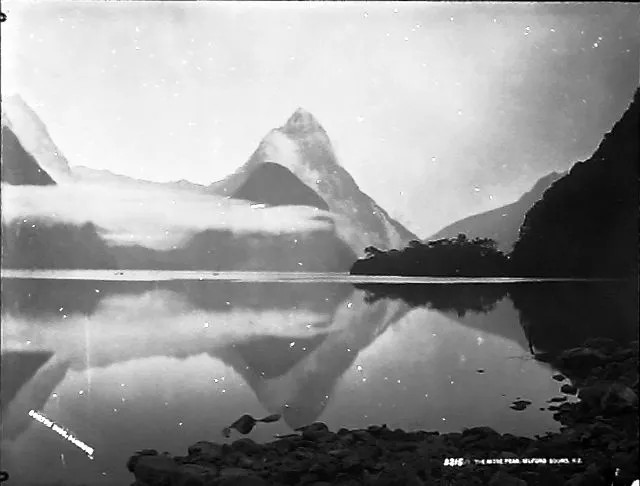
(35, 139)
(587, 222)
(274, 185)
(303, 147)
(501, 224)
(18, 166)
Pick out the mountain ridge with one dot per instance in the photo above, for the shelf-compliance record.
(61, 228)
(104, 176)
(501, 224)
(303, 147)
(587, 222)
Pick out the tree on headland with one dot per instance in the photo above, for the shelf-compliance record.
(446, 257)
(585, 225)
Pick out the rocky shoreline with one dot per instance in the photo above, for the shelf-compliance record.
(597, 444)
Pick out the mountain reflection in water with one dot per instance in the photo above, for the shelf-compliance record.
(130, 365)
(554, 315)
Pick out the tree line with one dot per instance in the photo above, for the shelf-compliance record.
(446, 257)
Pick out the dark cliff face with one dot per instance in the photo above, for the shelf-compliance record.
(19, 168)
(275, 185)
(501, 224)
(587, 222)
(41, 244)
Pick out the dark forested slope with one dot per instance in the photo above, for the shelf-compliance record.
(586, 224)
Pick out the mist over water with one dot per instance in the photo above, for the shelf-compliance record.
(125, 364)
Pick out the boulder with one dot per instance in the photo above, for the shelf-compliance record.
(479, 431)
(314, 426)
(520, 405)
(133, 460)
(235, 472)
(592, 395)
(581, 360)
(283, 446)
(590, 477)
(377, 430)
(610, 398)
(194, 475)
(502, 478)
(156, 470)
(318, 435)
(246, 446)
(242, 481)
(208, 451)
(602, 344)
(618, 398)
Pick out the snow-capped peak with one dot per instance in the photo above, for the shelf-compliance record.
(34, 137)
(302, 122)
(15, 101)
(303, 147)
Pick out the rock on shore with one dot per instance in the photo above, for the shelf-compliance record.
(599, 435)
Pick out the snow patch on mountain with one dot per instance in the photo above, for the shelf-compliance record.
(303, 147)
(34, 137)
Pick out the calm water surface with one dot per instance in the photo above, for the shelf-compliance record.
(144, 363)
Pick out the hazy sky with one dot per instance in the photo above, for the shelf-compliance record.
(438, 110)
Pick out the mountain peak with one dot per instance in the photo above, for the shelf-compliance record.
(15, 104)
(11, 102)
(34, 137)
(15, 99)
(302, 121)
(303, 147)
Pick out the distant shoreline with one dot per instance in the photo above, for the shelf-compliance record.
(246, 276)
